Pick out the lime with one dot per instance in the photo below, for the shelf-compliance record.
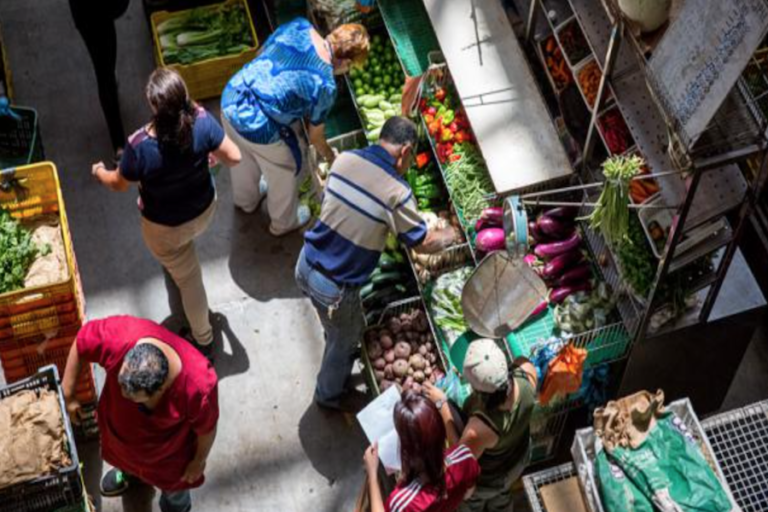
(377, 80)
(366, 77)
(359, 92)
(358, 83)
(376, 40)
(353, 72)
(387, 80)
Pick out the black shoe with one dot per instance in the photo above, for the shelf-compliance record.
(114, 483)
(350, 402)
(206, 350)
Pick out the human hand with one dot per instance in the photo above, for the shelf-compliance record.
(212, 161)
(433, 392)
(194, 471)
(95, 168)
(75, 410)
(371, 459)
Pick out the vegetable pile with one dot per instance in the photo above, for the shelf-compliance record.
(429, 266)
(611, 215)
(392, 280)
(574, 43)
(378, 86)
(636, 259)
(589, 81)
(615, 131)
(445, 304)
(205, 33)
(17, 253)
(468, 180)
(446, 122)
(403, 352)
(427, 184)
(489, 230)
(582, 311)
(558, 255)
(556, 65)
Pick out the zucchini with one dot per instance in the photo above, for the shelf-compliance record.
(372, 101)
(388, 276)
(385, 295)
(366, 290)
(385, 105)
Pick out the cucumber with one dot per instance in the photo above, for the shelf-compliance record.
(388, 276)
(362, 99)
(396, 98)
(385, 258)
(389, 113)
(373, 135)
(366, 290)
(385, 105)
(372, 101)
(384, 295)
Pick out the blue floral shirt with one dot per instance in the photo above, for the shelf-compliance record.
(286, 82)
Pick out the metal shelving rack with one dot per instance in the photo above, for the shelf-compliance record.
(714, 186)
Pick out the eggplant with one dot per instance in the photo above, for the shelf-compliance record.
(575, 275)
(536, 233)
(558, 295)
(550, 250)
(554, 228)
(493, 215)
(542, 307)
(563, 212)
(490, 239)
(560, 263)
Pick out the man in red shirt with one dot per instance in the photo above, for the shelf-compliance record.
(158, 409)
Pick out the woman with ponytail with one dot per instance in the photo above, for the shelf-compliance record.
(168, 159)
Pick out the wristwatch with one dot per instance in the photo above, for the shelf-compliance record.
(439, 404)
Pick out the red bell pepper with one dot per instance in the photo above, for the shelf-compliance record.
(446, 135)
(422, 159)
(431, 111)
(440, 94)
(428, 118)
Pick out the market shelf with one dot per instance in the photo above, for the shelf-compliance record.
(505, 108)
(411, 32)
(739, 439)
(535, 481)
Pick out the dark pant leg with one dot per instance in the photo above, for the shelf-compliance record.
(97, 29)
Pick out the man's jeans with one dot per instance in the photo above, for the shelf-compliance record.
(176, 501)
(341, 314)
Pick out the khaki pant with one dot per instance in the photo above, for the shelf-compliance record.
(174, 248)
(276, 163)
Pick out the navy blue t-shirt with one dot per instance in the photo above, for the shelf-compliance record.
(174, 187)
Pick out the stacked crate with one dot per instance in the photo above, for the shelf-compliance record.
(39, 324)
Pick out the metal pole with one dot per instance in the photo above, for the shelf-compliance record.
(530, 24)
(747, 207)
(610, 60)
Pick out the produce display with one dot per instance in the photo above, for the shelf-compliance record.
(611, 215)
(17, 253)
(615, 131)
(584, 311)
(427, 184)
(574, 43)
(556, 66)
(588, 78)
(391, 281)
(637, 262)
(445, 304)
(377, 86)
(403, 352)
(429, 266)
(205, 33)
(641, 191)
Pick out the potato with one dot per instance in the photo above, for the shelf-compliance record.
(402, 350)
(427, 370)
(429, 345)
(423, 350)
(417, 362)
(411, 335)
(400, 368)
(389, 356)
(410, 371)
(374, 350)
(394, 325)
(388, 373)
(419, 376)
(385, 332)
(379, 375)
(386, 342)
(379, 363)
(431, 357)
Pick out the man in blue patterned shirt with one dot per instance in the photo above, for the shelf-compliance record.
(263, 105)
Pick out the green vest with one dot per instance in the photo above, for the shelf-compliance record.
(512, 427)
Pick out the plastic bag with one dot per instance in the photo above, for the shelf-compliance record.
(617, 492)
(563, 374)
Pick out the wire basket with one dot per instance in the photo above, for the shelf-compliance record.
(535, 481)
(739, 439)
(20, 142)
(51, 492)
(583, 451)
(429, 267)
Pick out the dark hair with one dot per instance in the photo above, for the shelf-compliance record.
(145, 368)
(399, 131)
(174, 112)
(493, 400)
(422, 440)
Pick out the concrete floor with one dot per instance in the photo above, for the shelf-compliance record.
(275, 451)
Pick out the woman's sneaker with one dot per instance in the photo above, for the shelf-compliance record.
(304, 216)
(114, 483)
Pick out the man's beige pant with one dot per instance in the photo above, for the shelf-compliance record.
(276, 163)
(174, 248)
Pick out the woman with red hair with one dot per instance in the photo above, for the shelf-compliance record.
(433, 478)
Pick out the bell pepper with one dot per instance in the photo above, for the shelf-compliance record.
(428, 192)
(423, 104)
(453, 127)
(448, 116)
(440, 94)
(433, 128)
(446, 135)
(424, 179)
(422, 159)
(428, 118)
(431, 111)
(461, 136)
(441, 111)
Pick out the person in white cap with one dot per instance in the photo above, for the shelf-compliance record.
(498, 430)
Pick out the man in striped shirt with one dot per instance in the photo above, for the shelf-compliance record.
(366, 198)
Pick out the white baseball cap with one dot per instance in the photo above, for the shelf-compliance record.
(485, 366)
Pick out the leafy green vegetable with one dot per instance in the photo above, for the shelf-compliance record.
(445, 303)
(611, 215)
(17, 253)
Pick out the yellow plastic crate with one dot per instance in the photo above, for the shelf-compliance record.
(28, 192)
(207, 78)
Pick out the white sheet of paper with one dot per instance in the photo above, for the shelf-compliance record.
(378, 423)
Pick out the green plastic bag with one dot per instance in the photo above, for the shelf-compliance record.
(617, 492)
(669, 468)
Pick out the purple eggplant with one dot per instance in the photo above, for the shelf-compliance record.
(560, 263)
(558, 295)
(542, 307)
(530, 259)
(575, 275)
(493, 215)
(536, 234)
(563, 212)
(550, 250)
(490, 239)
(555, 228)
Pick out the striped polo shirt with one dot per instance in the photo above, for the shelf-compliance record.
(365, 198)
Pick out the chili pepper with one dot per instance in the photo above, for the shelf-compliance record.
(422, 159)
(428, 118)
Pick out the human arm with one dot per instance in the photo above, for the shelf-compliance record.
(530, 371)
(228, 153)
(69, 383)
(371, 459)
(112, 179)
(438, 396)
(478, 437)
(196, 466)
(318, 140)
(437, 240)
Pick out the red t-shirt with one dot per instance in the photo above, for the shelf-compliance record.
(154, 447)
(461, 472)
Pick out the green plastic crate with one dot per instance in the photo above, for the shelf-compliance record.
(411, 30)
